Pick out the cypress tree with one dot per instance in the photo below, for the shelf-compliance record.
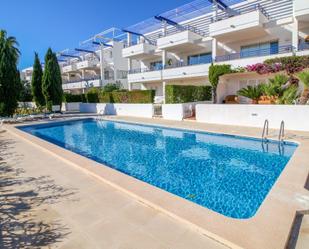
(36, 83)
(10, 84)
(52, 82)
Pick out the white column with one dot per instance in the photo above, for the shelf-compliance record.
(215, 10)
(164, 57)
(164, 28)
(129, 64)
(83, 73)
(129, 39)
(295, 36)
(214, 49)
(102, 64)
(163, 85)
(129, 86)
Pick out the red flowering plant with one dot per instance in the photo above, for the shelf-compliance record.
(262, 68)
(291, 65)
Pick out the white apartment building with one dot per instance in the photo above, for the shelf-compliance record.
(178, 46)
(95, 62)
(26, 74)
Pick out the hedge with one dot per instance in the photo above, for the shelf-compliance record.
(184, 94)
(133, 97)
(68, 97)
(92, 96)
(96, 95)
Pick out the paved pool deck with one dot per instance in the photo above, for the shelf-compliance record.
(150, 214)
(47, 203)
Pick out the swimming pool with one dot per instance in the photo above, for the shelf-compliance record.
(230, 175)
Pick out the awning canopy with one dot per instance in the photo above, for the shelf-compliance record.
(180, 14)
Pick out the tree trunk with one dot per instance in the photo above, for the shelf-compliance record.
(304, 97)
(214, 95)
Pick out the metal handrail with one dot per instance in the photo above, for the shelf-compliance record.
(181, 28)
(265, 130)
(281, 132)
(240, 11)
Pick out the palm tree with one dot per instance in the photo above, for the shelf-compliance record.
(252, 92)
(304, 78)
(9, 76)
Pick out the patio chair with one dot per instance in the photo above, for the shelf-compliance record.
(231, 99)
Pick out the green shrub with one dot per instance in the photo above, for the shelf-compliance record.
(92, 96)
(215, 71)
(110, 87)
(252, 92)
(289, 96)
(184, 94)
(134, 97)
(106, 97)
(69, 98)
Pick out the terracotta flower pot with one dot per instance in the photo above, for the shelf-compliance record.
(254, 101)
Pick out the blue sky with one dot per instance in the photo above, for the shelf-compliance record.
(60, 24)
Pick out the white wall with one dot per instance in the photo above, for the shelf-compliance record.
(26, 105)
(179, 111)
(255, 115)
(133, 110)
(71, 107)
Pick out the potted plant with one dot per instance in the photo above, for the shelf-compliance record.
(252, 92)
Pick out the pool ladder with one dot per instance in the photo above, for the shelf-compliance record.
(265, 131)
(281, 132)
(100, 115)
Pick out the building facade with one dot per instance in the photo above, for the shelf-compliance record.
(94, 63)
(178, 46)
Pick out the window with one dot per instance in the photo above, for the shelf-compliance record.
(199, 59)
(259, 49)
(156, 65)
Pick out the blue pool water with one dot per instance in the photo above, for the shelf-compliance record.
(228, 174)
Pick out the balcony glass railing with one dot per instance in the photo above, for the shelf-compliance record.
(133, 43)
(255, 53)
(303, 46)
(200, 61)
(240, 11)
(97, 77)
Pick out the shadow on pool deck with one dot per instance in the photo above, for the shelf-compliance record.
(21, 198)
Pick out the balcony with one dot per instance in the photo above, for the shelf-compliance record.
(248, 23)
(139, 51)
(82, 83)
(69, 68)
(196, 68)
(186, 71)
(257, 56)
(144, 75)
(301, 10)
(186, 40)
(87, 64)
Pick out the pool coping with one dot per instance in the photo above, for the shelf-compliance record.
(269, 228)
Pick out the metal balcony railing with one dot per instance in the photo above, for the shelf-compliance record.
(255, 53)
(240, 11)
(182, 28)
